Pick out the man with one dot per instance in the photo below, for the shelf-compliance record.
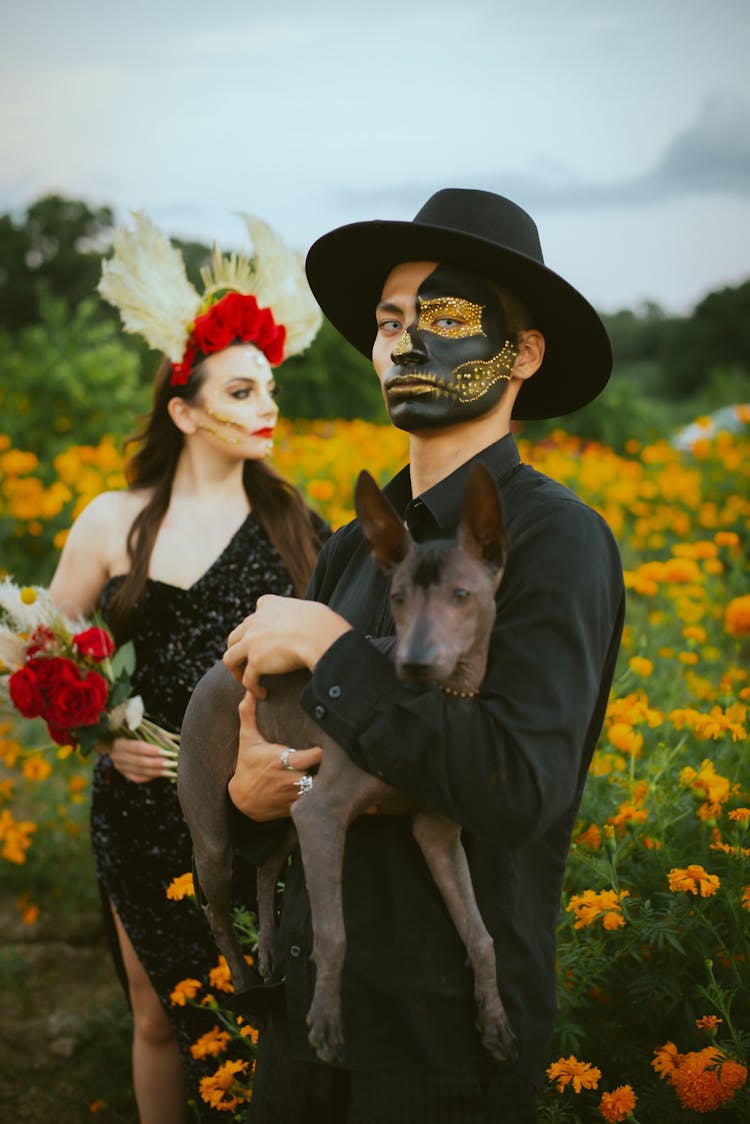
(467, 329)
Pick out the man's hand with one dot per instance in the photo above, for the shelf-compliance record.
(283, 634)
(261, 787)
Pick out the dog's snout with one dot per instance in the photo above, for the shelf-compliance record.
(416, 670)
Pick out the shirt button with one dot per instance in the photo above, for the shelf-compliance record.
(319, 712)
(334, 692)
(295, 950)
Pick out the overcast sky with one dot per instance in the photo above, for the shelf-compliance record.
(622, 127)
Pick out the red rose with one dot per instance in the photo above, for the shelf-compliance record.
(25, 694)
(77, 704)
(61, 737)
(224, 322)
(96, 643)
(42, 640)
(50, 673)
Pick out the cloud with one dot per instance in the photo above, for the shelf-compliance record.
(711, 155)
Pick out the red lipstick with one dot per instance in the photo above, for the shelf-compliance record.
(267, 432)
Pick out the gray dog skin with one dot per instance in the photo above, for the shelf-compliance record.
(443, 605)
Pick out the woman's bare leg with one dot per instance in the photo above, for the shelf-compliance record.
(158, 1078)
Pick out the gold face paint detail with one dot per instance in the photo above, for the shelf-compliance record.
(468, 382)
(402, 346)
(225, 437)
(223, 419)
(469, 313)
(473, 379)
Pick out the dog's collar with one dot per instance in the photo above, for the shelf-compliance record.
(459, 694)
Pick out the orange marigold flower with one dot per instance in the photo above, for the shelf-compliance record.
(707, 1079)
(220, 977)
(708, 1022)
(181, 887)
(737, 616)
(740, 815)
(640, 665)
(618, 1105)
(591, 837)
(185, 989)
(727, 538)
(590, 906)
(625, 738)
(693, 879)
(221, 1089)
(745, 897)
(666, 1060)
(211, 1044)
(626, 814)
(569, 1071)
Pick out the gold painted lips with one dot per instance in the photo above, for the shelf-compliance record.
(403, 385)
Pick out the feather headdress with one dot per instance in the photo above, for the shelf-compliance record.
(265, 299)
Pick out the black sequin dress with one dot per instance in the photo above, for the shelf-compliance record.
(140, 839)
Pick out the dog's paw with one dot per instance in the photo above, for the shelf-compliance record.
(326, 1035)
(497, 1037)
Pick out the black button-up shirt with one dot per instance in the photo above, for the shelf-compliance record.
(509, 766)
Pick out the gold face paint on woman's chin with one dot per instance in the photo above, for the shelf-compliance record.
(218, 433)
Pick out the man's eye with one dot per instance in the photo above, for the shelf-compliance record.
(389, 325)
(447, 322)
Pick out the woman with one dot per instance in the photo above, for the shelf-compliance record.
(203, 530)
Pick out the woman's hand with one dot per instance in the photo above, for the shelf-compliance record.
(283, 634)
(262, 787)
(138, 761)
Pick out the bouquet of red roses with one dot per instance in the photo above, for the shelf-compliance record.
(69, 674)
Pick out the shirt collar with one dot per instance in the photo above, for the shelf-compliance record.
(437, 511)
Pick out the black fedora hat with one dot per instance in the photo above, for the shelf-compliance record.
(487, 233)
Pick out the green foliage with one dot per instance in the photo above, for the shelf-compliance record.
(58, 243)
(67, 379)
(331, 380)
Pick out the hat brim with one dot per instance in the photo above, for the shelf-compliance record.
(347, 267)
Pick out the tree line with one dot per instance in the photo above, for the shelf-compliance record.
(68, 372)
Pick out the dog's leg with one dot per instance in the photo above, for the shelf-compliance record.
(268, 877)
(340, 792)
(440, 842)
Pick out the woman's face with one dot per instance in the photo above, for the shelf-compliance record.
(235, 406)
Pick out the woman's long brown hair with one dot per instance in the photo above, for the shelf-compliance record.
(274, 501)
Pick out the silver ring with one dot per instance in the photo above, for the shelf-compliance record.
(285, 755)
(304, 784)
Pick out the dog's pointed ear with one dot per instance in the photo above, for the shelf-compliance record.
(482, 531)
(387, 537)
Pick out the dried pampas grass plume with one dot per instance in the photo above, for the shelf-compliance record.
(146, 280)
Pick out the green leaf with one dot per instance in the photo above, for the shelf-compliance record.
(123, 661)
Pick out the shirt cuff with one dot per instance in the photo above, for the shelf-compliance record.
(347, 683)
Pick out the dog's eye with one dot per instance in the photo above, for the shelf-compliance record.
(397, 598)
(460, 594)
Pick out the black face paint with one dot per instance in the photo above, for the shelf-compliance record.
(453, 363)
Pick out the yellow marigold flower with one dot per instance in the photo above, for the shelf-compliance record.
(694, 632)
(706, 1079)
(666, 1060)
(250, 1032)
(185, 989)
(15, 837)
(590, 906)
(666, 653)
(640, 665)
(618, 1105)
(181, 887)
(36, 768)
(737, 616)
(569, 1071)
(708, 1022)
(211, 1044)
(693, 879)
(681, 571)
(625, 738)
(740, 815)
(320, 489)
(707, 783)
(727, 538)
(690, 658)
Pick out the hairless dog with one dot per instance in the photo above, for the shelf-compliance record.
(443, 604)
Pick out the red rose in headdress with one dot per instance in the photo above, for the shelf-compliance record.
(235, 317)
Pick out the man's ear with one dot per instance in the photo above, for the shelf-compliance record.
(182, 415)
(530, 354)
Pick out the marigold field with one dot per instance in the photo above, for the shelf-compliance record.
(654, 986)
